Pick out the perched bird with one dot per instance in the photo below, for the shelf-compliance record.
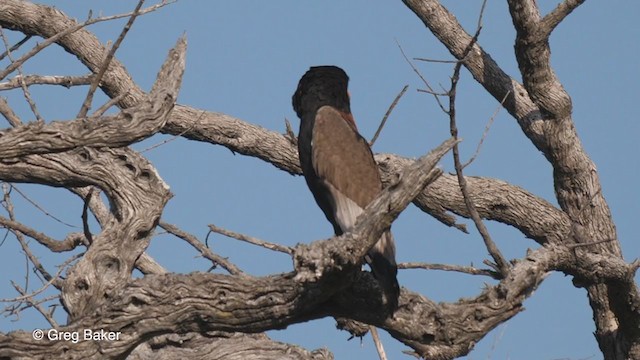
(338, 164)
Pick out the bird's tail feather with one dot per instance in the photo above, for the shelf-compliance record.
(381, 258)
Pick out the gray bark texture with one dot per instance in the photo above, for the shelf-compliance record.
(211, 316)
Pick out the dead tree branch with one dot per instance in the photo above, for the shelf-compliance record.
(471, 270)
(66, 81)
(251, 240)
(95, 82)
(500, 263)
(202, 248)
(386, 115)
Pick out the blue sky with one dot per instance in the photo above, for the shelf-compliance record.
(245, 59)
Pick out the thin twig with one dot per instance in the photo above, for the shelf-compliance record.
(486, 130)
(37, 206)
(386, 115)
(39, 47)
(8, 205)
(37, 265)
(15, 47)
(23, 85)
(588, 204)
(61, 268)
(436, 60)
(426, 83)
(202, 248)
(174, 137)
(16, 309)
(86, 105)
(577, 245)
(289, 134)
(85, 216)
(444, 93)
(502, 265)
(36, 305)
(455, 268)
(479, 25)
(496, 340)
(29, 256)
(102, 109)
(376, 340)
(251, 240)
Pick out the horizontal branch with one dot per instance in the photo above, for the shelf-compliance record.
(230, 346)
(66, 81)
(214, 302)
(69, 243)
(494, 199)
(471, 270)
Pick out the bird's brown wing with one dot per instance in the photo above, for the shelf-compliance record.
(342, 158)
(343, 162)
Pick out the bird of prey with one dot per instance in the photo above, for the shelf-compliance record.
(338, 164)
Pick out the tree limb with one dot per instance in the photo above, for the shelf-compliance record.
(66, 81)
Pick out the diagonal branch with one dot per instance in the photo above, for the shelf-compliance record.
(8, 113)
(251, 240)
(534, 60)
(386, 115)
(555, 17)
(15, 47)
(86, 105)
(202, 248)
(348, 250)
(501, 264)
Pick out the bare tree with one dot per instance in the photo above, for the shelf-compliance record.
(206, 315)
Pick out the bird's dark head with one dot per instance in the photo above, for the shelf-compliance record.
(320, 86)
